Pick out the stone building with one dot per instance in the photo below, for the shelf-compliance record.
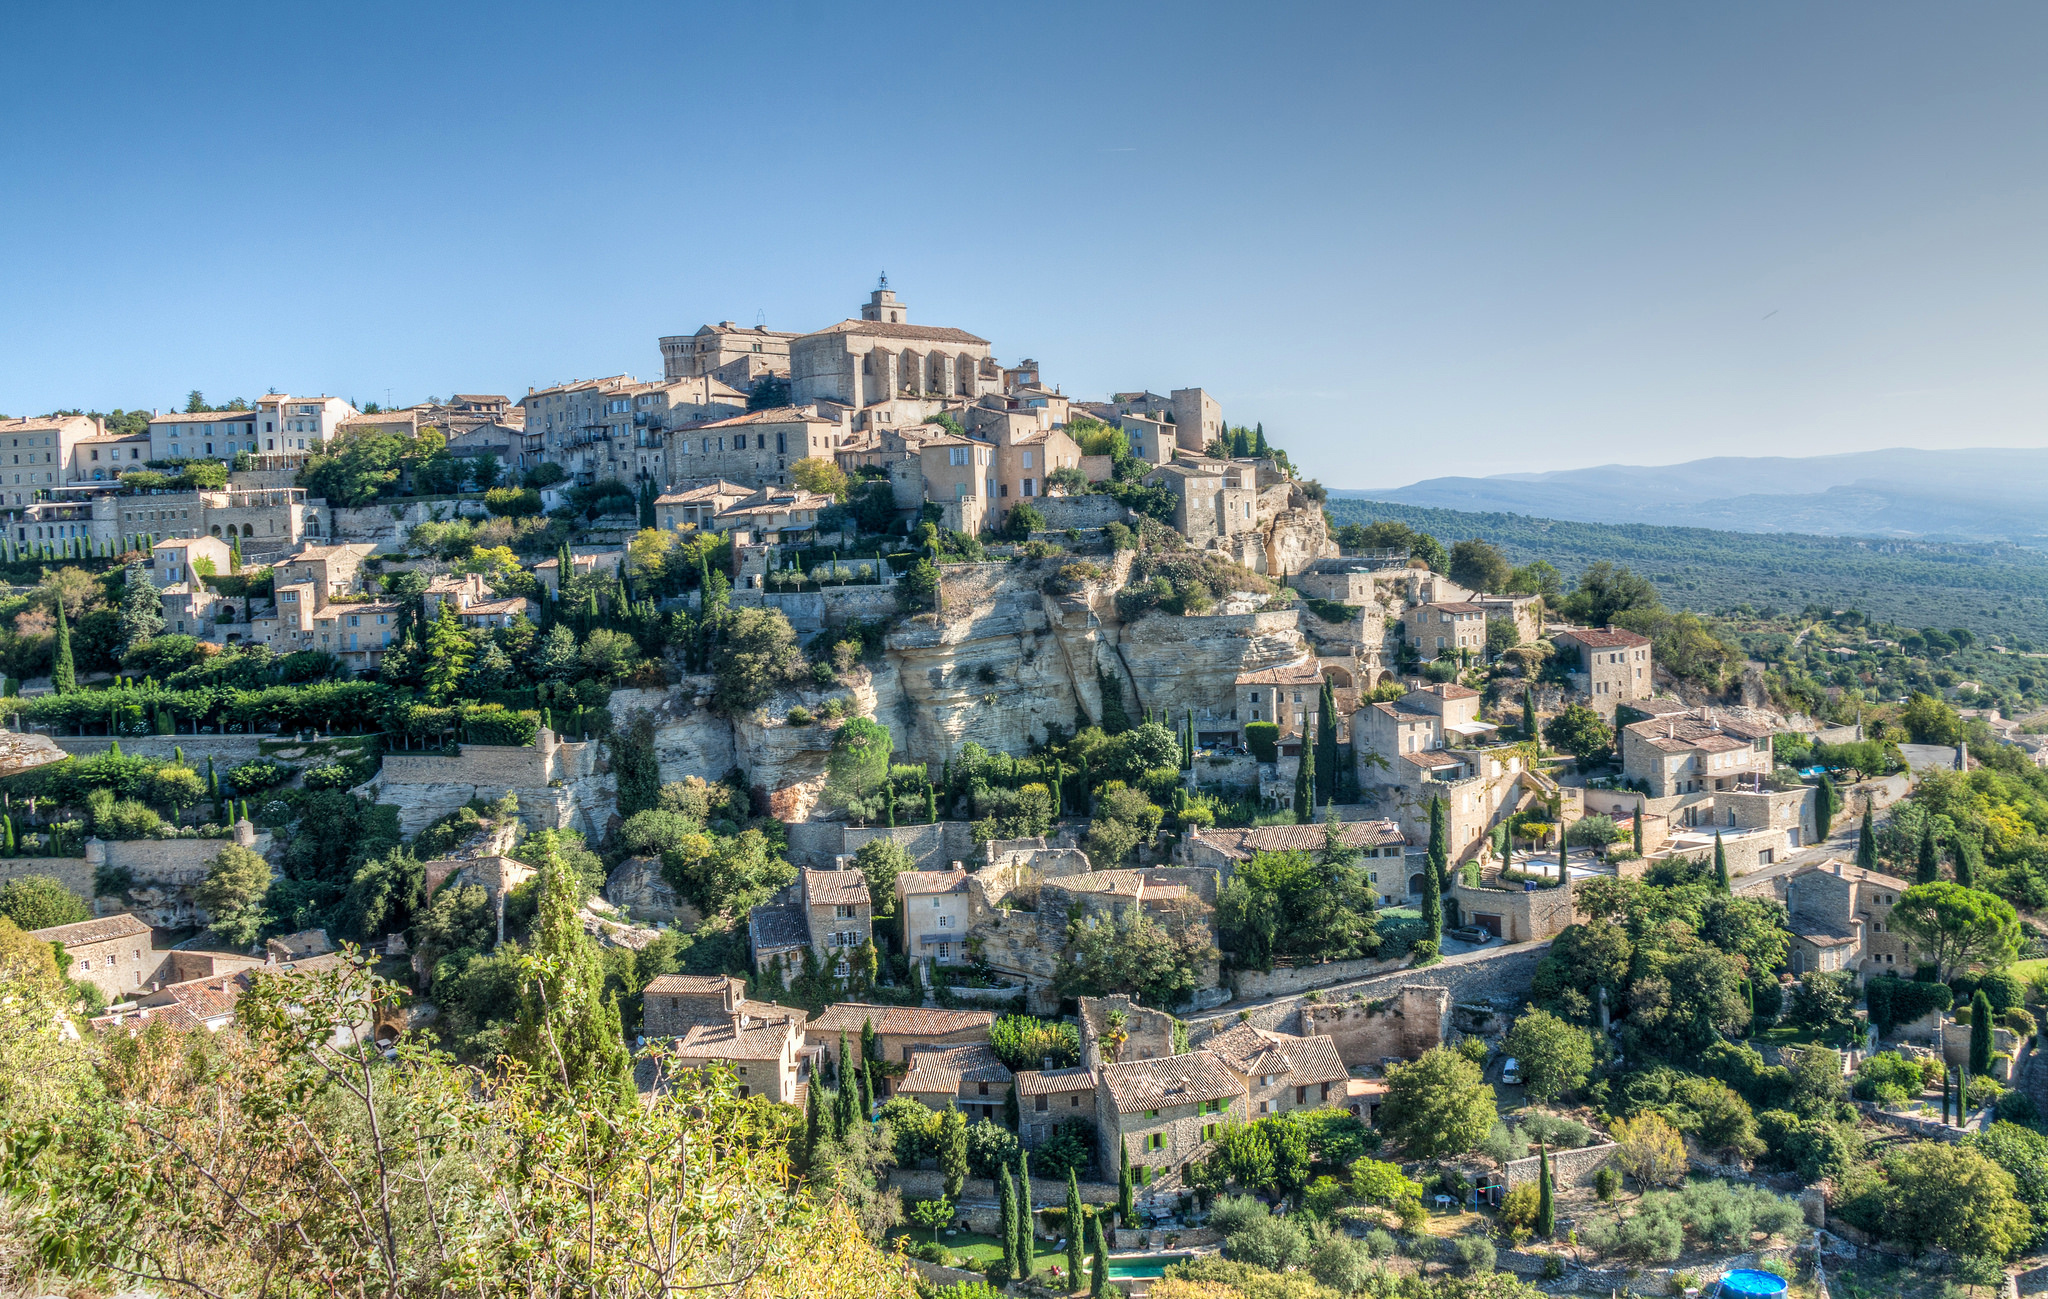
(900, 1031)
(1165, 1113)
(959, 478)
(1383, 846)
(1613, 665)
(1431, 744)
(826, 911)
(1287, 694)
(772, 515)
(882, 356)
(967, 1078)
(933, 909)
(1046, 1098)
(104, 457)
(693, 507)
(733, 354)
(755, 449)
(1280, 1072)
(39, 452)
(763, 1050)
(1213, 500)
(115, 954)
(1840, 917)
(1452, 626)
(1705, 750)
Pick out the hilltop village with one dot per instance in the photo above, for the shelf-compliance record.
(986, 779)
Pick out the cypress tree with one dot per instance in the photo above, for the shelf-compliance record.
(1866, 842)
(1006, 1191)
(1980, 1033)
(1929, 869)
(1720, 863)
(1305, 785)
(1945, 1079)
(1073, 1230)
(1564, 857)
(1123, 1184)
(1098, 1280)
(812, 1120)
(1826, 802)
(1439, 844)
(1967, 856)
(8, 823)
(1432, 903)
(867, 1094)
(1326, 742)
(1546, 1212)
(931, 805)
(62, 678)
(1636, 831)
(1025, 1235)
(1529, 720)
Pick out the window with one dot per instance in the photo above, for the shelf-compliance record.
(1156, 1141)
(1040, 1106)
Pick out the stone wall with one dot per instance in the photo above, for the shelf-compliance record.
(835, 606)
(1300, 978)
(1239, 771)
(1567, 1167)
(1524, 916)
(225, 750)
(74, 873)
(1503, 974)
(1403, 1025)
(558, 784)
(165, 872)
(1046, 1192)
(1091, 511)
(816, 843)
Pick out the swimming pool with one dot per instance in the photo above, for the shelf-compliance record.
(1152, 1265)
(1747, 1282)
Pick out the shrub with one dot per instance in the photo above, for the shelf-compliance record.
(331, 776)
(798, 715)
(262, 774)
(1555, 1130)
(1890, 1077)
(1518, 1211)
(1380, 1242)
(1473, 1253)
(1605, 1183)
(1263, 739)
(2020, 1021)
(512, 502)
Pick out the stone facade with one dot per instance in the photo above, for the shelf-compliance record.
(1514, 913)
(1840, 916)
(1567, 1167)
(116, 954)
(1707, 750)
(1613, 666)
(1398, 1024)
(553, 779)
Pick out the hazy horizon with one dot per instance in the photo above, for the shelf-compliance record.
(1413, 242)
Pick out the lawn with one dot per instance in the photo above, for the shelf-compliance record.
(986, 1249)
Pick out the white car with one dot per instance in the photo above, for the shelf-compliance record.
(1511, 1072)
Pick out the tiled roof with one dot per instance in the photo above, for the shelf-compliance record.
(1607, 638)
(1433, 758)
(307, 942)
(909, 333)
(205, 417)
(37, 424)
(919, 883)
(1449, 690)
(836, 888)
(1300, 838)
(510, 604)
(1053, 1082)
(1457, 606)
(1301, 1061)
(777, 925)
(690, 984)
(775, 415)
(728, 1041)
(941, 1071)
(208, 998)
(93, 931)
(1678, 732)
(1856, 874)
(135, 1021)
(1303, 673)
(897, 1021)
(1172, 1080)
(705, 493)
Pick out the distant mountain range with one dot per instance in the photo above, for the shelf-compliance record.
(1979, 494)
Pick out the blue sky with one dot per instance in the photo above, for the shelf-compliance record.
(1410, 239)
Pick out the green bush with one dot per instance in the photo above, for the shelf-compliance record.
(1263, 739)
(255, 777)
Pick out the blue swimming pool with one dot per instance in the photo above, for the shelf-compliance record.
(1751, 1283)
(1153, 1266)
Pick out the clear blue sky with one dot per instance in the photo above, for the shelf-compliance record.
(1411, 239)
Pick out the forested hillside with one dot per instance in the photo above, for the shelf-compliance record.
(2000, 592)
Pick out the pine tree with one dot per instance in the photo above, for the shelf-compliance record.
(1326, 743)
(142, 606)
(1006, 1191)
(1980, 1034)
(1073, 1230)
(1305, 785)
(448, 654)
(1866, 842)
(1123, 1184)
(62, 679)
(1098, 1280)
(1929, 870)
(567, 1030)
(1720, 864)
(1546, 1212)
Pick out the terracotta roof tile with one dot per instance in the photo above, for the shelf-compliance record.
(93, 931)
(838, 888)
(1173, 1080)
(909, 333)
(1053, 1082)
(920, 883)
(897, 1021)
(1603, 638)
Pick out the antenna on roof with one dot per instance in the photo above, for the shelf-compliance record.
(760, 318)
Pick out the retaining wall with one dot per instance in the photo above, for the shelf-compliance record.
(1299, 978)
(1504, 975)
(225, 750)
(1091, 511)
(931, 847)
(1046, 1192)
(1567, 1167)
(74, 873)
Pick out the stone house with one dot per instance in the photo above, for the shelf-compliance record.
(1525, 612)
(1280, 1072)
(115, 954)
(673, 1003)
(1165, 1113)
(1046, 1098)
(828, 912)
(882, 356)
(968, 1078)
(900, 1031)
(1382, 843)
(960, 478)
(1375, 579)
(176, 559)
(1152, 440)
(695, 507)
(733, 354)
(1705, 751)
(755, 449)
(1840, 917)
(934, 910)
(44, 451)
(1286, 694)
(1429, 744)
(303, 945)
(771, 514)
(1613, 665)
(1213, 500)
(1451, 626)
(332, 570)
(762, 1044)
(1513, 912)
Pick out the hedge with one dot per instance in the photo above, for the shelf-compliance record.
(321, 705)
(1894, 1001)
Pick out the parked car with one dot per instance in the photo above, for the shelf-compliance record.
(1511, 1072)
(1468, 934)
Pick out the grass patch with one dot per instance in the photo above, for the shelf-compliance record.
(986, 1249)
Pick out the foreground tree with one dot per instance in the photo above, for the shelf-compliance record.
(1957, 928)
(1556, 1057)
(1438, 1106)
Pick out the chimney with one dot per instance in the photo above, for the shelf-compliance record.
(1048, 1064)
